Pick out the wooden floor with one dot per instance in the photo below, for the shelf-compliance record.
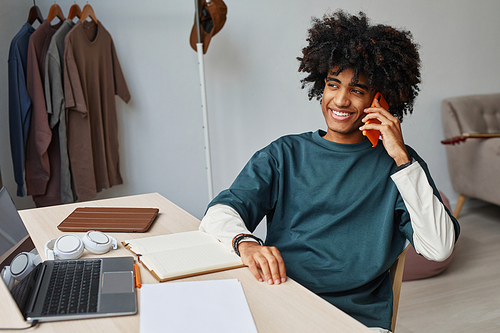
(466, 296)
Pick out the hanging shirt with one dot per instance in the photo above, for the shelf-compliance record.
(19, 102)
(54, 94)
(92, 78)
(42, 151)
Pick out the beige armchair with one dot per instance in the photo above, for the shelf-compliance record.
(473, 160)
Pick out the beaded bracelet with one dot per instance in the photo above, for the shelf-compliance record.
(238, 238)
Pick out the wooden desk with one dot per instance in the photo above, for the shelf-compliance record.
(288, 307)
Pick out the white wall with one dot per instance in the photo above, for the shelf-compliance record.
(253, 86)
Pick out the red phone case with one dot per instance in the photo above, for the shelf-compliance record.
(373, 135)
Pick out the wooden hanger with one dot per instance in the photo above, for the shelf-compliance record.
(55, 11)
(74, 11)
(88, 11)
(35, 14)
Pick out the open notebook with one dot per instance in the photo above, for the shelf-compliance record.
(184, 254)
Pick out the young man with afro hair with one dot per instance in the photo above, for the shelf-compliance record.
(340, 211)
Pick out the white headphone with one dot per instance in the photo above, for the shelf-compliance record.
(72, 246)
(20, 267)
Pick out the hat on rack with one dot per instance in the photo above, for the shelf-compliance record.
(212, 18)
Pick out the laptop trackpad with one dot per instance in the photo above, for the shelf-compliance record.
(117, 282)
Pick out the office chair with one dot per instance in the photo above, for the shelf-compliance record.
(396, 273)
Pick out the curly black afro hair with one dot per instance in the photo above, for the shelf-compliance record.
(387, 57)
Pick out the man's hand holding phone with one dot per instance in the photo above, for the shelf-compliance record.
(373, 135)
(379, 122)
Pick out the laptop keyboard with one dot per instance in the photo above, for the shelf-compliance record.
(73, 287)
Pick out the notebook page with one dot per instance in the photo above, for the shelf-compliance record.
(190, 260)
(171, 241)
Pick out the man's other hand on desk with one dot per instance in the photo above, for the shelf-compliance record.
(263, 258)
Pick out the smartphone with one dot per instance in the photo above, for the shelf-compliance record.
(373, 135)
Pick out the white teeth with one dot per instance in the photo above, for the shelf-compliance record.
(340, 114)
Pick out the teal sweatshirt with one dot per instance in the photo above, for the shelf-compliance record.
(335, 215)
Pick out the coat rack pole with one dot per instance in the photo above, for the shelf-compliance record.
(197, 15)
(201, 67)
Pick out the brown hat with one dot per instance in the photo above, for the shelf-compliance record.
(212, 19)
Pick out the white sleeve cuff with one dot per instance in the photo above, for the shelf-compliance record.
(433, 229)
(223, 222)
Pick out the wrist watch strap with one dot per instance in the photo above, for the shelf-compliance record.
(238, 238)
(402, 166)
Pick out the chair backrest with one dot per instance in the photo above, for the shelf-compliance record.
(470, 114)
(396, 273)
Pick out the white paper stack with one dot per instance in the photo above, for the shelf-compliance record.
(197, 306)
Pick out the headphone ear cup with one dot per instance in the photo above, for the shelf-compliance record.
(22, 265)
(68, 247)
(7, 277)
(98, 242)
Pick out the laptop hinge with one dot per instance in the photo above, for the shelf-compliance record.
(34, 293)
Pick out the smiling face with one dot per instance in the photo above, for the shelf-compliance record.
(343, 106)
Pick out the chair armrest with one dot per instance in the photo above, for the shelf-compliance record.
(465, 136)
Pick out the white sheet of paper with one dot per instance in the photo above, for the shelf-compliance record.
(195, 306)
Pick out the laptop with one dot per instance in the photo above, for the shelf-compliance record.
(64, 289)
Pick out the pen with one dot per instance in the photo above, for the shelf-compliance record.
(137, 276)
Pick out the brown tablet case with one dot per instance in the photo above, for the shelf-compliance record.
(109, 219)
